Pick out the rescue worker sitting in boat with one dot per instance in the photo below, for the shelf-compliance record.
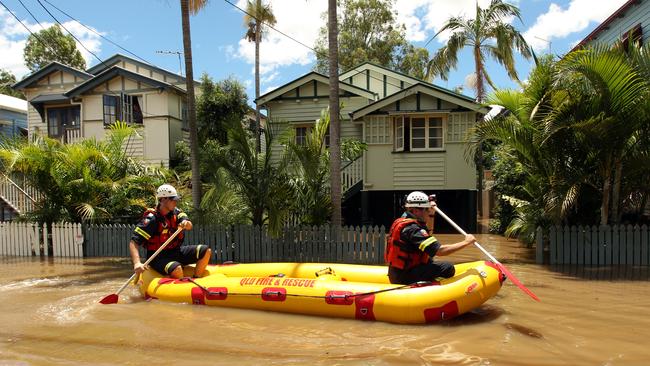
(410, 247)
(155, 227)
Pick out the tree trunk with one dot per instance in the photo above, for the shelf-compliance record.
(258, 34)
(478, 69)
(191, 111)
(335, 125)
(607, 186)
(616, 191)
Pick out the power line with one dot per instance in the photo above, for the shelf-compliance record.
(94, 31)
(70, 33)
(52, 48)
(304, 45)
(36, 36)
(30, 13)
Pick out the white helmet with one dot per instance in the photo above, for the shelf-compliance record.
(417, 199)
(167, 191)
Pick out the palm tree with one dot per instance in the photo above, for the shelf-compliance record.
(335, 124)
(260, 183)
(257, 14)
(488, 36)
(574, 128)
(606, 110)
(187, 7)
(309, 164)
(86, 181)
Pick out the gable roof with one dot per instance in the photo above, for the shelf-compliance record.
(118, 71)
(310, 77)
(425, 88)
(401, 76)
(48, 69)
(619, 13)
(118, 57)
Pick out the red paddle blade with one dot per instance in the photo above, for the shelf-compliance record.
(516, 281)
(110, 299)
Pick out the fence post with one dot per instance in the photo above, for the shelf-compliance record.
(644, 246)
(539, 248)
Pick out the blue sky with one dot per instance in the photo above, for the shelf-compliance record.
(146, 26)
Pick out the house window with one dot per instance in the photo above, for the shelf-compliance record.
(399, 133)
(301, 135)
(185, 125)
(327, 138)
(377, 130)
(426, 133)
(123, 107)
(633, 36)
(61, 119)
(112, 111)
(418, 133)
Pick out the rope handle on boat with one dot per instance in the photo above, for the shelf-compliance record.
(342, 296)
(207, 291)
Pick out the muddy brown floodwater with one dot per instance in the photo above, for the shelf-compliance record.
(49, 315)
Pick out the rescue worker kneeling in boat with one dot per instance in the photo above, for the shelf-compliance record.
(155, 227)
(410, 247)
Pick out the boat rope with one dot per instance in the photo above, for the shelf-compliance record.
(344, 296)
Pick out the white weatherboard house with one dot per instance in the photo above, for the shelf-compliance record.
(416, 134)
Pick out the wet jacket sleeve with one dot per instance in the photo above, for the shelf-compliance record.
(145, 229)
(417, 238)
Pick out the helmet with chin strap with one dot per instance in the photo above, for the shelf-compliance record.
(417, 199)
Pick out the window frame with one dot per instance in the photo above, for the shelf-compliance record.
(124, 108)
(406, 121)
(61, 125)
(398, 124)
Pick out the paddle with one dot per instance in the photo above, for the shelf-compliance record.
(501, 267)
(112, 298)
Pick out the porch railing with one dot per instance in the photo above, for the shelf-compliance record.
(351, 174)
(72, 135)
(19, 195)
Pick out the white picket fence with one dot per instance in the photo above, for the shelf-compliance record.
(23, 239)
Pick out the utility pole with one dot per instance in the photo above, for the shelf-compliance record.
(180, 65)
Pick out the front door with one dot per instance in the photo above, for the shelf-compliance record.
(60, 119)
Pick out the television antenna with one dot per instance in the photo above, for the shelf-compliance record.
(180, 65)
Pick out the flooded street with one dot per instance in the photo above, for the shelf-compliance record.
(50, 315)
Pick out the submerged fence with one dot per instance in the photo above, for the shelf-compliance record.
(241, 243)
(594, 245)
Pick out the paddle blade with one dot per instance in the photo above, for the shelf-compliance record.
(110, 299)
(516, 281)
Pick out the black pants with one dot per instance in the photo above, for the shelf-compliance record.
(423, 272)
(167, 260)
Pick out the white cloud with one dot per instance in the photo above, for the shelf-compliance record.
(560, 22)
(299, 19)
(423, 18)
(13, 37)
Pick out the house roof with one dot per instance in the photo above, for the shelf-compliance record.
(118, 57)
(425, 88)
(14, 104)
(605, 24)
(50, 68)
(118, 71)
(45, 98)
(399, 75)
(307, 78)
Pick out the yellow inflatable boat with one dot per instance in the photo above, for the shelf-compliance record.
(337, 290)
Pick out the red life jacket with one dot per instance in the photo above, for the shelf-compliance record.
(166, 227)
(396, 255)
